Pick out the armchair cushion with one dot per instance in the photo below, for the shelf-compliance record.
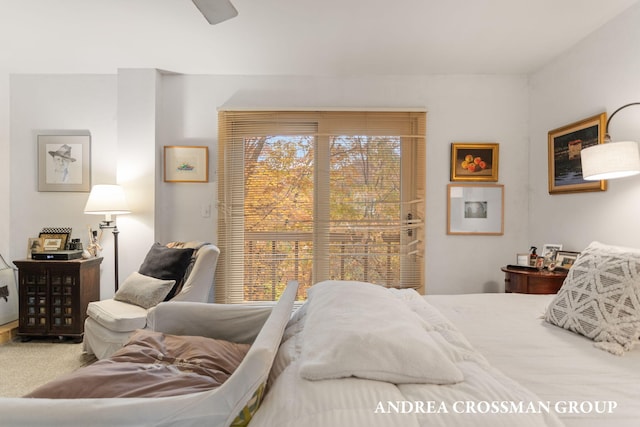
(166, 263)
(117, 316)
(145, 291)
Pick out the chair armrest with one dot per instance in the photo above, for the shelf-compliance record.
(239, 323)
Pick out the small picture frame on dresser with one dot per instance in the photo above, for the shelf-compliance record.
(565, 259)
(550, 251)
(34, 244)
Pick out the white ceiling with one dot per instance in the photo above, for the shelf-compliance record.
(296, 37)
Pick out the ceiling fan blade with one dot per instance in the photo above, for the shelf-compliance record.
(216, 11)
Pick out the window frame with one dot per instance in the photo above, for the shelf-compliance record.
(234, 126)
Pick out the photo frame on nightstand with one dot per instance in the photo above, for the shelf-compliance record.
(565, 259)
(549, 252)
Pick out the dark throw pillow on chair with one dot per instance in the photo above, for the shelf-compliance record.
(167, 264)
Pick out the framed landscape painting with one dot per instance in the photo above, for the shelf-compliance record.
(565, 144)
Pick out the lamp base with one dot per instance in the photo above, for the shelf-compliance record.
(106, 224)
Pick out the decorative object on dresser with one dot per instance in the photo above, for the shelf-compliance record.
(54, 238)
(526, 280)
(54, 296)
(549, 252)
(611, 160)
(108, 200)
(565, 145)
(565, 259)
(474, 161)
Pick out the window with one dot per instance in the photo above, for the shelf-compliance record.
(311, 196)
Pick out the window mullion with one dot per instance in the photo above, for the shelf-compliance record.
(321, 209)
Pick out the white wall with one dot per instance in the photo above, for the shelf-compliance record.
(600, 74)
(460, 109)
(137, 170)
(5, 173)
(60, 103)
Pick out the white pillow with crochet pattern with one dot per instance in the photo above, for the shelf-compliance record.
(600, 298)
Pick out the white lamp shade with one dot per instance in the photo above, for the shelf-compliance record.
(107, 200)
(611, 160)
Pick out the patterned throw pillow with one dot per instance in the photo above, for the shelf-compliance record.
(600, 297)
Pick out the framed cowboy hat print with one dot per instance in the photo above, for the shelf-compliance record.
(64, 163)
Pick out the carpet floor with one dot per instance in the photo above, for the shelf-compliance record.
(24, 366)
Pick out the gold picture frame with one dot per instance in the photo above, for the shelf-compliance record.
(565, 144)
(186, 163)
(54, 241)
(474, 161)
(475, 209)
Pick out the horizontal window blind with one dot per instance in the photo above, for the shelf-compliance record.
(310, 196)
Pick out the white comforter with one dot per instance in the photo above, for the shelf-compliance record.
(485, 397)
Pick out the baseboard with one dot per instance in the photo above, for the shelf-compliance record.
(8, 331)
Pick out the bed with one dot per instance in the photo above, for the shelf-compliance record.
(357, 354)
(490, 360)
(556, 364)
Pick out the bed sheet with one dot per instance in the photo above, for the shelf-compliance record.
(353, 401)
(557, 365)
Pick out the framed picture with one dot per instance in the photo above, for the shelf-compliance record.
(34, 245)
(565, 143)
(64, 163)
(475, 209)
(549, 252)
(186, 164)
(565, 259)
(54, 241)
(474, 161)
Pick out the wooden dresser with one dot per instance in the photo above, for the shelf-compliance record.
(53, 296)
(530, 281)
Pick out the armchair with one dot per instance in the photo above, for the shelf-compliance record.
(111, 322)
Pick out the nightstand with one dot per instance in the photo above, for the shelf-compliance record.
(53, 296)
(530, 281)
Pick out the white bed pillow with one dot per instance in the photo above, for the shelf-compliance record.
(356, 329)
(600, 298)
